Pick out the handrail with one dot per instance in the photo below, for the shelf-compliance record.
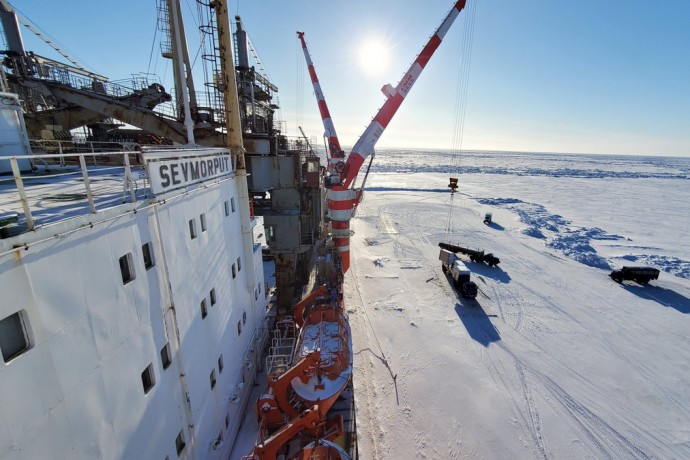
(66, 188)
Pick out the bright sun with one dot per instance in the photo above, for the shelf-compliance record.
(373, 56)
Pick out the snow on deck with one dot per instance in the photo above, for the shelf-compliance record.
(327, 337)
(56, 192)
(323, 336)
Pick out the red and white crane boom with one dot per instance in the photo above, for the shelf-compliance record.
(365, 145)
(342, 200)
(336, 156)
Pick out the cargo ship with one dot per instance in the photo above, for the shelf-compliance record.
(155, 277)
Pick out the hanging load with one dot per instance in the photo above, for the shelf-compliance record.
(453, 184)
(475, 255)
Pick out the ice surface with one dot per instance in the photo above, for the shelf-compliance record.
(553, 359)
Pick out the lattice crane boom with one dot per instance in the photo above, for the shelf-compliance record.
(336, 155)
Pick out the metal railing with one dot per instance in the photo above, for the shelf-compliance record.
(64, 187)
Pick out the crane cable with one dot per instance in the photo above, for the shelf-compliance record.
(299, 85)
(458, 128)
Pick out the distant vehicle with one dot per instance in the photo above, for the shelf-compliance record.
(642, 275)
(459, 272)
(487, 218)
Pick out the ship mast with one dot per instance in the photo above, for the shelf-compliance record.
(228, 86)
(184, 85)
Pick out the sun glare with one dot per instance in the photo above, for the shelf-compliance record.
(373, 56)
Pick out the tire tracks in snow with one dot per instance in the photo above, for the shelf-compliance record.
(366, 392)
(603, 438)
(523, 405)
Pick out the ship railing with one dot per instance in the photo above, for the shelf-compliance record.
(279, 358)
(47, 188)
(277, 365)
(65, 187)
(283, 345)
(79, 145)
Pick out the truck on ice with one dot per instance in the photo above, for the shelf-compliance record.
(642, 275)
(459, 272)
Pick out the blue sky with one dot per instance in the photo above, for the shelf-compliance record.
(589, 76)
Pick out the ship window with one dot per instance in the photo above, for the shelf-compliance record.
(239, 264)
(14, 339)
(239, 327)
(165, 356)
(127, 268)
(232, 204)
(244, 317)
(147, 251)
(213, 379)
(202, 218)
(256, 294)
(227, 208)
(218, 442)
(220, 364)
(147, 378)
(179, 443)
(192, 228)
(234, 271)
(227, 421)
(204, 310)
(212, 294)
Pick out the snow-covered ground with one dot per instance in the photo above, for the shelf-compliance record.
(553, 359)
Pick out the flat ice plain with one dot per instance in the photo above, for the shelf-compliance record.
(553, 359)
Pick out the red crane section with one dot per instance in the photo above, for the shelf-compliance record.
(365, 145)
(336, 155)
(342, 200)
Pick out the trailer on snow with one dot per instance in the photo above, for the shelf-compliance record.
(459, 272)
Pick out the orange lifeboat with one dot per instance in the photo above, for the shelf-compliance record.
(326, 331)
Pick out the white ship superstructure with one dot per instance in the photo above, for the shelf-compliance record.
(133, 306)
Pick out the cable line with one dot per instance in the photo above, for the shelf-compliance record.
(458, 126)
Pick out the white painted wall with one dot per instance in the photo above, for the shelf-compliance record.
(78, 393)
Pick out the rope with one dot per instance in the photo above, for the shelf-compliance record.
(153, 46)
(462, 85)
(299, 82)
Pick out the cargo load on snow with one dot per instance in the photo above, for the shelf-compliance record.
(475, 255)
(459, 272)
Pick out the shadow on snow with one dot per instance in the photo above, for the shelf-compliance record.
(483, 270)
(474, 318)
(405, 189)
(477, 322)
(665, 297)
(495, 226)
